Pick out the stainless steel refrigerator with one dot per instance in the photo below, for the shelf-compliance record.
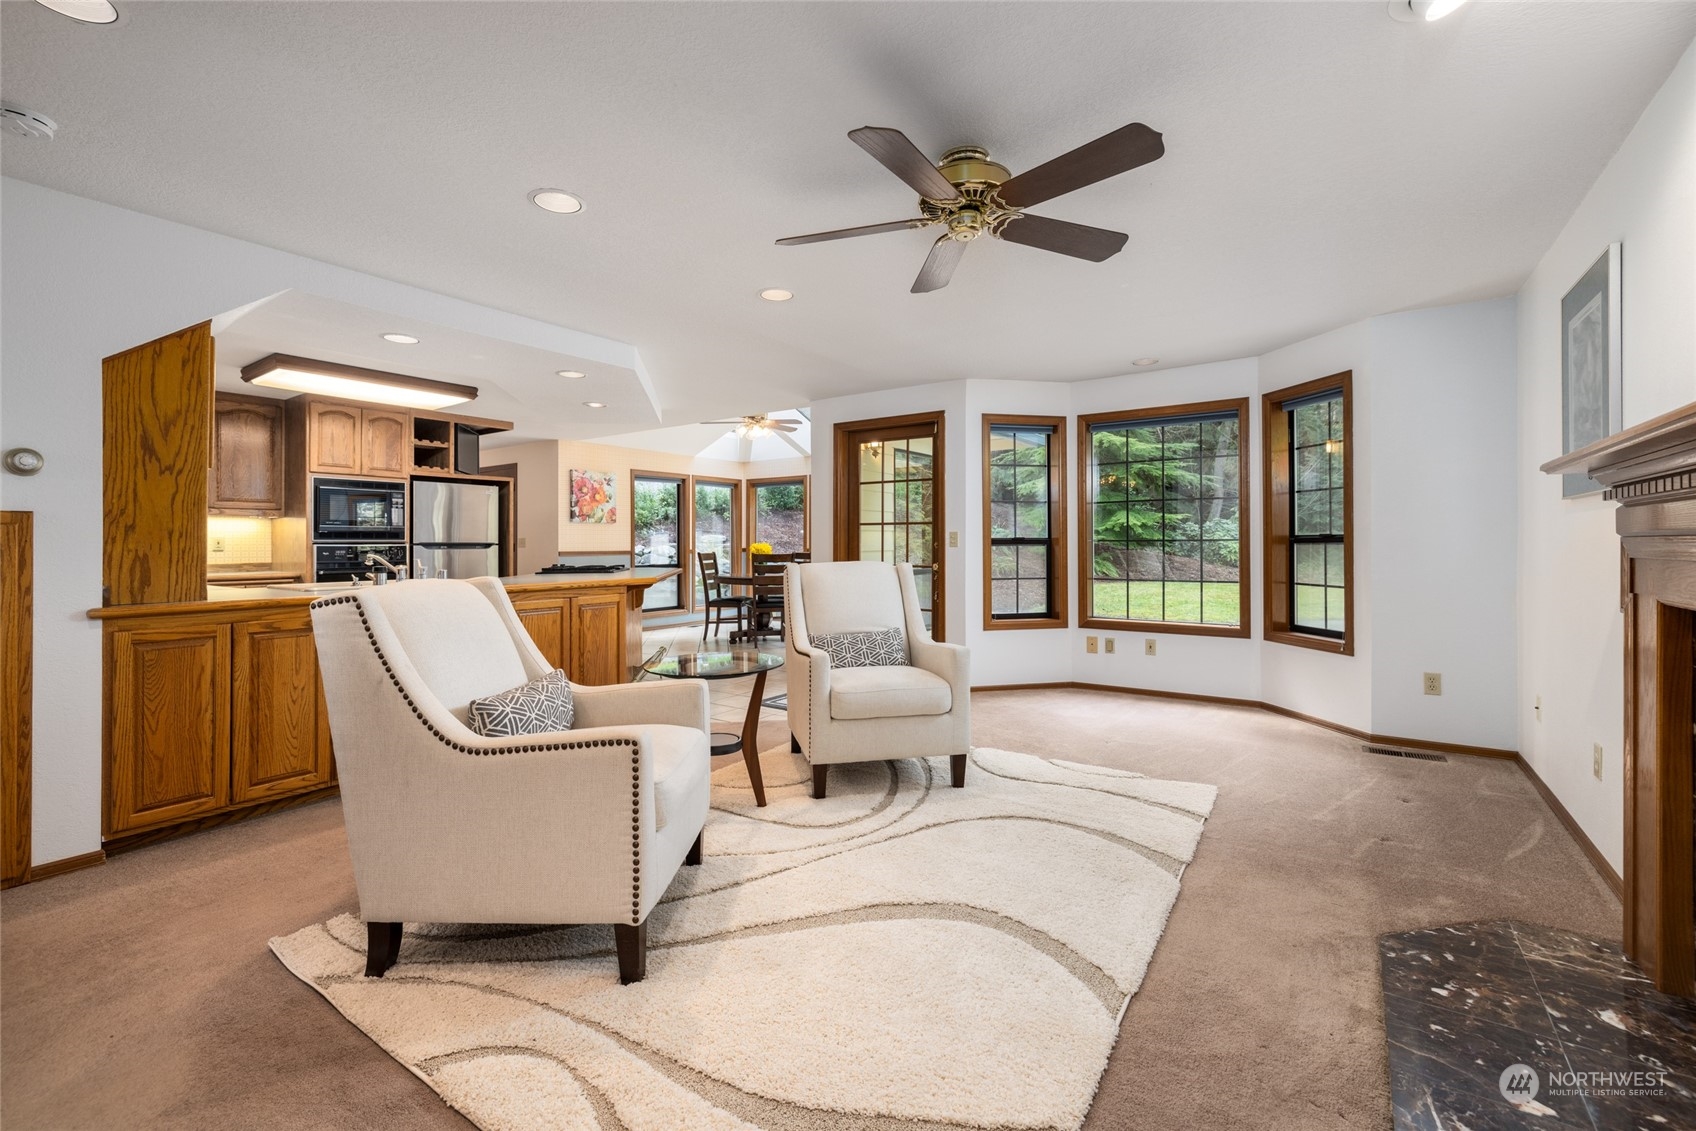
(456, 527)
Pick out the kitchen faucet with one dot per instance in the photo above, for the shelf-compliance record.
(394, 571)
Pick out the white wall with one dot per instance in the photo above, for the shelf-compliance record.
(1570, 627)
(81, 281)
(1443, 547)
(1434, 549)
(537, 484)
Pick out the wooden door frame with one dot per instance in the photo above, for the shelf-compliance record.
(846, 469)
(17, 664)
(685, 536)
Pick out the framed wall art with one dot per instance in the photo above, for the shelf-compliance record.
(594, 496)
(1590, 364)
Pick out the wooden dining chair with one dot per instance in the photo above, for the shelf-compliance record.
(718, 597)
(767, 605)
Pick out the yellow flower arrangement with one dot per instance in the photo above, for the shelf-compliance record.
(760, 548)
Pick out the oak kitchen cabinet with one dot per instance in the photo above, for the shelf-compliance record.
(345, 439)
(215, 708)
(583, 635)
(247, 456)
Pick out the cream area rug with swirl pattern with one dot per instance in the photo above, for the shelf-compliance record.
(902, 955)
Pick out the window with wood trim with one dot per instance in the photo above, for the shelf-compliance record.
(1309, 500)
(1164, 539)
(1024, 486)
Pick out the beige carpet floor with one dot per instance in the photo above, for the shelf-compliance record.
(141, 994)
(899, 956)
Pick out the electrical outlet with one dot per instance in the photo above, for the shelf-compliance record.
(217, 545)
(1596, 761)
(1109, 642)
(1148, 646)
(1091, 643)
(1433, 683)
(953, 539)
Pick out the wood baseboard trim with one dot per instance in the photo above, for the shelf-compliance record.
(1597, 860)
(1225, 700)
(59, 867)
(121, 844)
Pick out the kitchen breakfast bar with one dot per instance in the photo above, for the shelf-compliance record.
(213, 708)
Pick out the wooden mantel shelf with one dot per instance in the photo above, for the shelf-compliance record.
(1653, 448)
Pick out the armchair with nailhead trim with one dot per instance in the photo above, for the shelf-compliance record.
(588, 825)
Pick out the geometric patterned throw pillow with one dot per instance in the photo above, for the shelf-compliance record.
(880, 648)
(541, 706)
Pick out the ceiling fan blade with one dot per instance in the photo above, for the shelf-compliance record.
(848, 233)
(1065, 237)
(1118, 152)
(939, 265)
(738, 420)
(901, 157)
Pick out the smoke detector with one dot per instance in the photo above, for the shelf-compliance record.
(27, 123)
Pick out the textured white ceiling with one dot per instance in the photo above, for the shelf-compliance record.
(1323, 163)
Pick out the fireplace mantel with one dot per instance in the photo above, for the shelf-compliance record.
(1650, 470)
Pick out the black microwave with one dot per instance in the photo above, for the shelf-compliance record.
(356, 510)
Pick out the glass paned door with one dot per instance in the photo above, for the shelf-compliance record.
(890, 507)
(715, 528)
(657, 535)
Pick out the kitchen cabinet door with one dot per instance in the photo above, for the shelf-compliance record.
(247, 456)
(548, 621)
(168, 724)
(386, 443)
(332, 439)
(597, 628)
(279, 726)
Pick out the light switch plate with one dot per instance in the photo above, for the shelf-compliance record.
(1596, 761)
(953, 539)
(1109, 642)
(1091, 644)
(1148, 646)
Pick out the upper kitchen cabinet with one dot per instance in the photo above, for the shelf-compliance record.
(344, 439)
(247, 456)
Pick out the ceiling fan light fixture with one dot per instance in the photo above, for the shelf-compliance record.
(354, 383)
(84, 11)
(776, 294)
(556, 200)
(401, 339)
(571, 374)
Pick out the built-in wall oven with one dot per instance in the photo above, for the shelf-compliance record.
(358, 510)
(345, 561)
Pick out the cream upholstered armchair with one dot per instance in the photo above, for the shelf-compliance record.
(915, 709)
(587, 825)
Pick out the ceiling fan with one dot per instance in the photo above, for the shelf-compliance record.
(759, 424)
(972, 196)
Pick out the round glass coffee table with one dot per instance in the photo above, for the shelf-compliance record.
(729, 665)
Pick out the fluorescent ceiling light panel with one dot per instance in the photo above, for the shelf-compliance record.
(350, 382)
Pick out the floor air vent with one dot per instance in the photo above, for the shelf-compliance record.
(1392, 752)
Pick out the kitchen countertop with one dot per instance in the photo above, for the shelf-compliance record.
(223, 598)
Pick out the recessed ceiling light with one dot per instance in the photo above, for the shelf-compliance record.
(401, 339)
(1146, 361)
(776, 294)
(351, 382)
(556, 200)
(572, 374)
(1422, 11)
(87, 11)
(593, 404)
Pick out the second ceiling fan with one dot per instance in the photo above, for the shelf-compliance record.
(973, 196)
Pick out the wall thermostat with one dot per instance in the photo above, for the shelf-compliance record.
(24, 461)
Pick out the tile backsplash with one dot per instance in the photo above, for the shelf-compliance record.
(245, 541)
